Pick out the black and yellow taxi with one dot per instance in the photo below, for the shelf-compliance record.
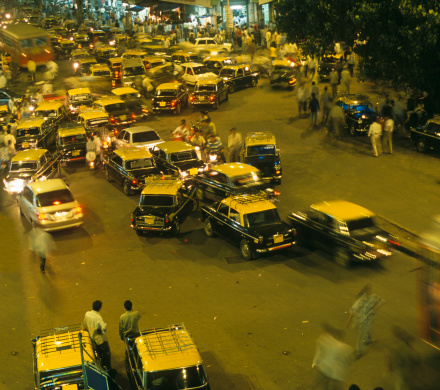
(210, 92)
(65, 358)
(71, 142)
(133, 100)
(121, 39)
(182, 57)
(53, 112)
(283, 74)
(28, 166)
(359, 112)
(165, 357)
(216, 63)
(100, 71)
(428, 136)
(104, 53)
(346, 230)
(93, 119)
(81, 66)
(134, 53)
(76, 55)
(178, 158)
(170, 97)
(34, 133)
(143, 41)
(260, 150)
(251, 221)
(130, 167)
(159, 45)
(115, 65)
(225, 180)
(5, 117)
(165, 203)
(63, 48)
(238, 76)
(116, 109)
(78, 97)
(81, 41)
(153, 62)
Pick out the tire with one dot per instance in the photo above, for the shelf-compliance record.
(195, 206)
(107, 175)
(216, 104)
(342, 257)
(200, 195)
(207, 228)
(254, 83)
(231, 88)
(126, 187)
(139, 232)
(246, 251)
(176, 228)
(352, 130)
(421, 145)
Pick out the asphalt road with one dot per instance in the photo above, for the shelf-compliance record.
(255, 322)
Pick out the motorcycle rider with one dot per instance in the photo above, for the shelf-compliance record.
(91, 151)
(182, 132)
(208, 128)
(215, 146)
(199, 142)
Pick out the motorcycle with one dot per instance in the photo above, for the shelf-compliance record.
(90, 158)
(215, 158)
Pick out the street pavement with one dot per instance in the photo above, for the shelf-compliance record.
(255, 322)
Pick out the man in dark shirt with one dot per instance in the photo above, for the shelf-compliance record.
(128, 322)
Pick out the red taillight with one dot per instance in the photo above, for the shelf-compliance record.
(115, 132)
(167, 220)
(112, 119)
(173, 103)
(113, 83)
(132, 218)
(41, 216)
(392, 242)
(261, 240)
(134, 182)
(211, 98)
(78, 210)
(192, 98)
(133, 116)
(117, 75)
(277, 193)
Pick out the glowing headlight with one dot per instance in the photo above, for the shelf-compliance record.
(183, 174)
(359, 121)
(75, 65)
(212, 157)
(14, 186)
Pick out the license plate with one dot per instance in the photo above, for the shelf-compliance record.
(149, 220)
(193, 171)
(123, 117)
(162, 104)
(75, 152)
(25, 144)
(278, 238)
(61, 216)
(201, 98)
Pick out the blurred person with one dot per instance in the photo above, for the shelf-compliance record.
(268, 38)
(314, 108)
(273, 52)
(235, 143)
(208, 128)
(3, 81)
(345, 79)
(334, 81)
(128, 322)
(361, 314)
(9, 137)
(325, 104)
(315, 89)
(42, 244)
(350, 63)
(301, 97)
(332, 358)
(32, 69)
(312, 67)
(375, 134)
(387, 135)
(147, 86)
(336, 120)
(182, 132)
(215, 146)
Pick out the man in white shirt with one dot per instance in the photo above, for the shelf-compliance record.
(387, 138)
(97, 328)
(9, 137)
(375, 133)
(235, 143)
(268, 38)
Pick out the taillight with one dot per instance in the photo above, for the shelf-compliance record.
(192, 98)
(113, 83)
(112, 119)
(167, 220)
(133, 116)
(173, 103)
(212, 98)
(392, 242)
(134, 182)
(41, 216)
(117, 75)
(277, 193)
(132, 218)
(115, 132)
(78, 210)
(261, 239)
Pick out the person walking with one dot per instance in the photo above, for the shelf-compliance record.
(334, 81)
(337, 120)
(235, 143)
(315, 89)
(32, 69)
(361, 314)
(97, 328)
(325, 104)
(128, 322)
(345, 79)
(387, 137)
(351, 63)
(301, 98)
(314, 108)
(375, 134)
(41, 243)
(268, 38)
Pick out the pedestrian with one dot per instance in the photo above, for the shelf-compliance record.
(301, 98)
(351, 63)
(325, 104)
(3, 81)
(314, 108)
(315, 89)
(235, 143)
(339, 66)
(32, 68)
(337, 120)
(332, 358)
(8, 75)
(273, 52)
(42, 244)
(334, 81)
(387, 137)
(97, 328)
(128, 322)
(375, 134)
(312, 67)
(361, 313)
(9, 137)
(345, 79)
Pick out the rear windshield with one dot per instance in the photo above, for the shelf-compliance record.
(361, 226)
(183, 156)
(24, 166)
(54, 198)
(260, 149)
(46, 113)
(115, 107)
(139, 164)
(135, 71)
(73, 139)
(147, 136)
(227, 72)
(245, 180)
(206, 88)
(97, 122)
(261, 218)
(199, 70)
(166, 92)
(28, 132)
(157, 200)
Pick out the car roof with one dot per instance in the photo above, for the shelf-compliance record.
(235, 169)
(4, 108)
(25, 123)
(235, 67)
(192, 64)
(175, 146)
(246, 204)
(78, 129)
(283, 63)
(133, 153)
(30, 154)
(78, 91)
(169, 86)
(354, 98)
(139, 129)
(342, 210)
(90, 114)
(123, 91)
(209, 81)
(87, 59)
(108, 100)
(167, 348)
(260, 138)
(164, 185)
(47, 185)
(183, 53)
(48, 105)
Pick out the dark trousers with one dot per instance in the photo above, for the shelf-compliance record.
(42, 262)
(103, 351)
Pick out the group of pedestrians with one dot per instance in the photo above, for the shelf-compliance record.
(381, 135)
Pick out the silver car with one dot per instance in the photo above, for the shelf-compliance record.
(138, 136)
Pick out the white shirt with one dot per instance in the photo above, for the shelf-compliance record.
(375, 129)
(389, 125)
(95, 325)
(235, 141)
(9, 137)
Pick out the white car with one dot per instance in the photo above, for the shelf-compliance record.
(208, 44)
(193, 72)
(138, 136)
(49, 204)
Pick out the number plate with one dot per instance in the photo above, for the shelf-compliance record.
(123, 117)
(149, 220)
(25, 144)
(75, 152)
(201, 97)
(193, 171)
(162, 104)
(277, 238)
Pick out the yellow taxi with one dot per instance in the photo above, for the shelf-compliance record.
(104, 52)
(4, 117)
(78, 97)
(165, 355)
(93, 119)
(283, 74)
(65, 356)
(132, 99)
(121, 38)
(52, 111)
(215, 63)
(116, 109)
(34, 133)
(71, 142)
(181, 57)
(100, 70)
(134, 53)
(143, 42)
(82, 65)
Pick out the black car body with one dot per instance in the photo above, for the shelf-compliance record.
(238, 76)
(346, 230)
(251, 221)
(260, 151)
(216, 63)
(428, 136)
(130, 167)
(283, 74)
(170, 97)
(209, 93)
(64, 48)
(133, 100)
(71, 142)
(118, 111)
(34, 133)
(359, 112)
(164, 204)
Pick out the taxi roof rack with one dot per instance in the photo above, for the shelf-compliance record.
(164, 180)
(261, 135)
(166, 340)
(251, 197)
(67, 335)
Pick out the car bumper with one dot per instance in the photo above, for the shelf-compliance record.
(51, 226)
(371, 256)
(151, 228)
(280, 246)
(167, 108)
(72, 159)
(202, 103)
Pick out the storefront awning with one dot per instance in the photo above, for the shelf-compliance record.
(136, 8)
(166, 5)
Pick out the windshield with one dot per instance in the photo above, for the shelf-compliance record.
(54, 379)
(157, 200)
(101, 73)
(139, 164)
(115, 107)
(246, 180)
(261, 218)
(183, 156)
(227, 72)
(28, 132)
(166, 92)
(146, 136)
(73, 139)
(260, 149)
(359, 227)
(24, 166)
(85, 96)
(54, 198)
(46, 113)
(135, 71)
(199, 70)
(282, 69)
(206, 88)
(182, 378)
(97, 122)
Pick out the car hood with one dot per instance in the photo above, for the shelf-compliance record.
(281, 75)
(20, 175)
(257, 161)
(31, 138)
(76, 146)
(370, 114)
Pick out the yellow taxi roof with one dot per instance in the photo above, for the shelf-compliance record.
(175, 146)
(168, 86)
(135, 51)
(26, 123)
(115, 59)
(342, 210)
(78, 129)
(208, 81)
(4, 108)
(183, 53)
(246, 204)
(260, 138)
(108, 100)
(30, 154)
(282, 63)
(217, 58)
(78, 91)
(124, 90)
(235, 169)
(92, 114)
(62, 350)
(87, 59)
(49, 105)
(162, 186)
(133, 153)
(165, 349)
(235, 67)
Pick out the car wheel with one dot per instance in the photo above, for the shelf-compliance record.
(176, 228)
(246, 251)
(207, 227)
(342, 257)
(195, 205)
(139, 232)
(216, 104)
(200, 194)
(107, 175)
(253, 83)
(231, 88)
(126, 187)
(421, 145)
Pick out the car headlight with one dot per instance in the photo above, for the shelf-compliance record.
(75, 65)
(360, 121)
(15, 185)
(183, 174)
(277, 166)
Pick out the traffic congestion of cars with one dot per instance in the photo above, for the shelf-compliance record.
(173, 180)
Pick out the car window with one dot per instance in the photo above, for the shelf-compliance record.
(240, 72)
(234, 215)
(139, 164)
(223, 209)
(27, 194)
(146, 136)
(261, 218)
(54, 198)
(127, 136)
(121, 134)
(117, 160)
(221, 178)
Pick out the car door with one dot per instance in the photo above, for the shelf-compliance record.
(115, 168)
(316, 231)
(222, 90)
(239, 78)
(220, 219)
(217, 189)
(119, 140)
